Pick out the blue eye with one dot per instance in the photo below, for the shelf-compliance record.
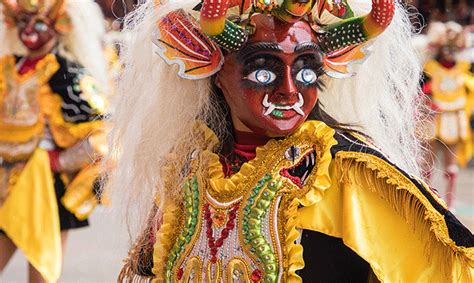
(306, 76)
(41, 27)
(262, 76)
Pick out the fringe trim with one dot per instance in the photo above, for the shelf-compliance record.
(127, 275)
(412, 205)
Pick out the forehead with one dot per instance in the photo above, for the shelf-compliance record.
(287, 35)
(24, 15)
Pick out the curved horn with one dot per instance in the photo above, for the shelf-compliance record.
(293, 10)
(56, 9)
(9, 10)
(215, 25)
(358, 30)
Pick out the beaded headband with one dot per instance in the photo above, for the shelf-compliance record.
(53, 10)
(196, 47)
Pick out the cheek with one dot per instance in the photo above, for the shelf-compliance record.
(310, 97)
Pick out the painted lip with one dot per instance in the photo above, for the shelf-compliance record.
(30, 38)
(272, 108)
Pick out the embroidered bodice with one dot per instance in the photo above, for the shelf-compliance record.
(241, 228)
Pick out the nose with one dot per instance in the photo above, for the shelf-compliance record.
(29, 27)
(287, 88)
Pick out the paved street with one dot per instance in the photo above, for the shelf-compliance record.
(94, 254)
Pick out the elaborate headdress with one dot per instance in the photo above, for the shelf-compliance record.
(193, 46)
(53, 10)
(450, 33)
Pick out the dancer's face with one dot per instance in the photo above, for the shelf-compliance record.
(35, 31)
(271, 84)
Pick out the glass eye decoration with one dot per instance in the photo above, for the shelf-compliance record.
(306, 76)
(262, 76)
(40, 27)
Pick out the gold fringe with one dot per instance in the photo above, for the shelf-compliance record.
(405, 198)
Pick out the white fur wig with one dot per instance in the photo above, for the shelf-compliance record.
(156, 108)
(82, 44)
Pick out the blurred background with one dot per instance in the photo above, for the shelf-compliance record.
(95, 253)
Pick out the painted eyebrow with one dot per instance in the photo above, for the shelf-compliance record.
(307, 46)
(259, 46)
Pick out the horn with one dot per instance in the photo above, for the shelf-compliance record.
(357, 30)
(215, 25)
(9, 10)
(292, 10)
(56, 9)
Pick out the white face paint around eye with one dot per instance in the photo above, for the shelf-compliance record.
(261, 76)
(306, 76)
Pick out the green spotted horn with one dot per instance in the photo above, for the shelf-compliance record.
(357, 30)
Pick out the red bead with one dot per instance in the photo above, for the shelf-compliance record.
(214, 259)
(180, 273)
(230, 225)
(210, 244)
(219, 242)
(213, 251)
(256, 275)
(225, 233)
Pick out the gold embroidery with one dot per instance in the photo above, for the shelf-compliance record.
(237, 270)
(193, 270)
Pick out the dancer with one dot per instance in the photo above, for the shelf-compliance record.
(449, 86)
(50, 128)
(257, 159)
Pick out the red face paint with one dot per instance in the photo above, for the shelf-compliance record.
(271, 84)
(34, 31)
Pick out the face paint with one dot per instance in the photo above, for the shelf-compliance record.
(271, 84)
(34, 31)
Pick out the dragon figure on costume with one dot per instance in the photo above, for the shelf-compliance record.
(51, 127)
(257, 154)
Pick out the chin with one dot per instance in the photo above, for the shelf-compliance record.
(276, 128)
(32, 47)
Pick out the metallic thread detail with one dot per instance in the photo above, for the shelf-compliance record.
(258, 203)
(191, 208)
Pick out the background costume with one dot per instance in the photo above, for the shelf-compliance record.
(50, 109)
(321, 203)
(451, 89)
(449, 86)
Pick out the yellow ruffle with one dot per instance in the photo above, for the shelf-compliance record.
(319, 182)
(165, 236)
(311, 132)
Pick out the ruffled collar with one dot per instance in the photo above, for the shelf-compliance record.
(269, 159)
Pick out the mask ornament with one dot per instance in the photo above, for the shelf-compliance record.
(37, 21)
(343, 43)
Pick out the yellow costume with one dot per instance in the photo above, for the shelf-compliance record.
(452, 90)
(249, 227)
(51, 107)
